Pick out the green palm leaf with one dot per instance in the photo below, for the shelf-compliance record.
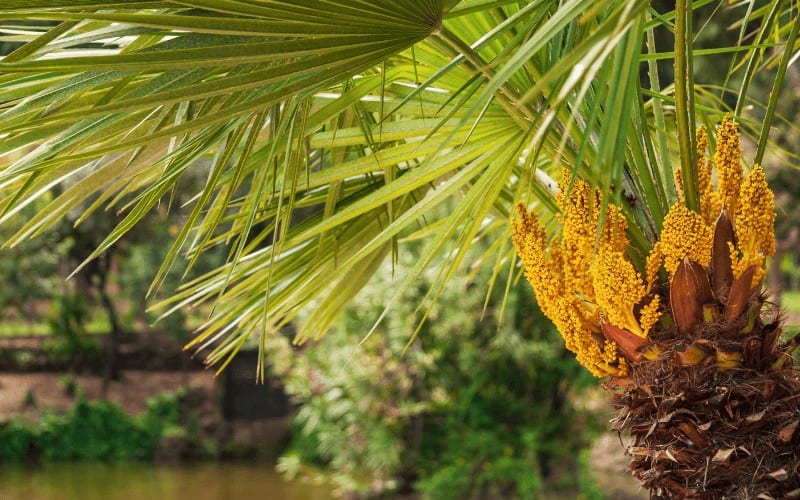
(328, 132)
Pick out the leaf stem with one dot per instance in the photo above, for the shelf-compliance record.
(683, 105)
(660, 124)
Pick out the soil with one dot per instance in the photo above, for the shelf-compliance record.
(30, 394)
(151, 363)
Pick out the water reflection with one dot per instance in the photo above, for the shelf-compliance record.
(82, 481)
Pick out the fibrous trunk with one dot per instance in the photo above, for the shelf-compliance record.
(715, 415)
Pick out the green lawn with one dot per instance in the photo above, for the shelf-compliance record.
(790, 301)
(98, 323)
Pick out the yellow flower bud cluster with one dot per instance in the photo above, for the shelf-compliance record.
(585, 276)
(754, 224)
(710, 204)
(685, 233)
(728, 160)
(584, 279)
(749, 202)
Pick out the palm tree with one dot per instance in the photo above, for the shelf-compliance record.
(336, 129)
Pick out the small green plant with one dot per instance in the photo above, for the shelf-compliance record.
(96, 431)
(69, 385)
(17, 438)
(67, 325)
(23, 358)
(29, 401)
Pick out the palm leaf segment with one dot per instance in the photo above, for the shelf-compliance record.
(324, 131)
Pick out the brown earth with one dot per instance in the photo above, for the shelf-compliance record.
(151, 363)
(48, 391)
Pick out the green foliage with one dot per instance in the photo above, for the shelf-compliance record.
(136, 272)
(791, 301)
(469, 407)
(17, 438)
(29, 272)
(67, 325)
(96, 430)
(163, 410)
(69, 385)
(483, 463)
(146, 248)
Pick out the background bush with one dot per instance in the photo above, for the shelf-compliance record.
(465, 409)
(96, 430)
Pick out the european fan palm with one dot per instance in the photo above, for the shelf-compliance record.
(337, 128)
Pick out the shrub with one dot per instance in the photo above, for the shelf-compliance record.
(17, 438)
(465, 409)
(67, 325)
(96, 430)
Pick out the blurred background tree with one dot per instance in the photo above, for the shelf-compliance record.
(464, 409)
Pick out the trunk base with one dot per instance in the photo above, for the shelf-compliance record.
(717, 428)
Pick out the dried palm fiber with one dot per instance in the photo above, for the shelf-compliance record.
(689, 346)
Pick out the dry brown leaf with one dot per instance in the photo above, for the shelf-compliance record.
(755, 417)
(722, 274)
(787, 431)
(779, 474)
(723, 454)
(689, 291)
(693, 434)
(739, 296)
(626, 341)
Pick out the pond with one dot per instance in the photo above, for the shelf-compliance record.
(66, 481)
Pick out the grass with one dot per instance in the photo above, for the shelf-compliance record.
(790, 301)
(98, 324)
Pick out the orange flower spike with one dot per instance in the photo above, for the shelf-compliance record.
(547, 267)
(578, 234)
(709, 204)
(755, 224)
(653, 265)
(728, 160)
(685, 234)
(650, 314)
(618, 288)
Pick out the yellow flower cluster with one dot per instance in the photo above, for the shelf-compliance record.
(685, 233)
(749, 202)
(584, 277)
(754, 224)
(728, 160)
(618, 288)
(544, 265)
(710, 205)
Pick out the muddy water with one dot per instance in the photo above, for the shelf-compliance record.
(144, 482)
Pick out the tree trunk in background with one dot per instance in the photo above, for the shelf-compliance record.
(111, 371)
